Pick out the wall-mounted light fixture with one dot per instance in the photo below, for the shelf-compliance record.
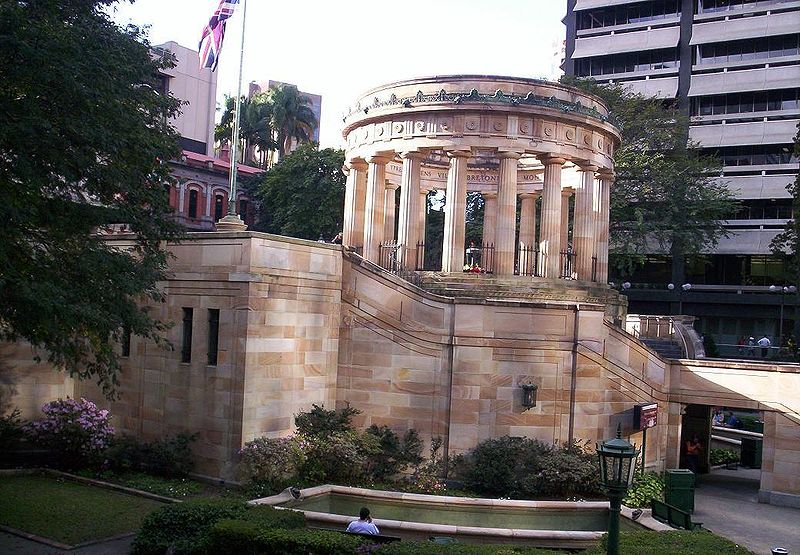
(528, 394)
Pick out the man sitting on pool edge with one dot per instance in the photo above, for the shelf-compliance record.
(364, 524)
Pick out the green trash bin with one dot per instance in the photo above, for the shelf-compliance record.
(679, 489)
(751, 452)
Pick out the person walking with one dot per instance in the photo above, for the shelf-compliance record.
(764, 343)
(751, 346)
(693, 450)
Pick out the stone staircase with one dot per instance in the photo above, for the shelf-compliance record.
(667, 348)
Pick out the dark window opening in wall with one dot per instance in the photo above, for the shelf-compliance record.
(186, 343)
(714, 269)
(711, 6)
(747, 49)
(192, 145)
(755, 155)
(218, 208)
(746, 102)
(243, 209)
(631, 13)
(168, 193)
(125, 342)
(765, 209)
(193, 203)
(213, 335)
(628, 62)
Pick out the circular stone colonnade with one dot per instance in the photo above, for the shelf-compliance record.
(511, 139)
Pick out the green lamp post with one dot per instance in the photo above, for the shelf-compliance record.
(617, 467)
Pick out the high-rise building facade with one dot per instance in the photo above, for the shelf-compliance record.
(735, 65)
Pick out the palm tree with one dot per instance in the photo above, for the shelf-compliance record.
(255, 127)
(292, 117)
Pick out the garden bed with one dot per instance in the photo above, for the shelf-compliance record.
(68, 512)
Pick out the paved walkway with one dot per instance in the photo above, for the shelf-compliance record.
(727, 504)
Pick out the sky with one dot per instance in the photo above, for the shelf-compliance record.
(340, 49)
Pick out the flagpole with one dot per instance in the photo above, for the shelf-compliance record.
(232, 222)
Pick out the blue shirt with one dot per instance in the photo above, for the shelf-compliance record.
(363, 527)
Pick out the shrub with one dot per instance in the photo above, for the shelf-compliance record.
(77, 430)
(170, 457)
(395, 455)
(233, 537)
(338, 457)
(647, 486)
(320, 422)
(10, 429)
(431, 548)
(723, 456)
(527, 468)
(186, 527)
(271, 464)
(671, 543)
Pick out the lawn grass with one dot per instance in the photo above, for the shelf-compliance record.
(69, 512)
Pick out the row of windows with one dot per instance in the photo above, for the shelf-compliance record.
(711, 6)
(714, 269)
(219, 205)
(213, 336)
(746, 102)
(755, 155)
(778, 209)
(748, 49)
(627, 62)
(631, 13)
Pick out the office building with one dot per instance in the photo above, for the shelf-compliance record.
(735, 65)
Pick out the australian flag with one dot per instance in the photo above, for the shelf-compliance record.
(213, 33)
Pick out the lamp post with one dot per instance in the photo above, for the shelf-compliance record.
(684, 287)
(617, 467)
(783, 291)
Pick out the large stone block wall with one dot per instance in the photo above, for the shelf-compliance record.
(453, 368)
(26, 384)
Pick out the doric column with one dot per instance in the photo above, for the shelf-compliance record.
(408, 226)
(605, 180)
(565, 195)
(455, 212)
(423, 213)
(355, 197)
(373, 214)
(550, 238)
(489, 217)
(527, 233)
(506, 214)
(585, 227)
(389, 211)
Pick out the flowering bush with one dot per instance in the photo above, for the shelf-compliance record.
(272, 464)
(77, 430)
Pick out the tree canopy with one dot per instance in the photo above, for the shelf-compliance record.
(667, 197)
(303, 194)
(83, 143)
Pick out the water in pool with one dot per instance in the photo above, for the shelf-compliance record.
(460, 515)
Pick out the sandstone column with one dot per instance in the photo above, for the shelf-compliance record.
(423, 213)
(489, 218)
(355, 196)
(408, 226)
(506, 214)
(389, 211)
(550, 239)
(605, 180)
(455, 212)
(527, 233)
(181, 196)
(373, 215)
(565, 194)
(585, 227)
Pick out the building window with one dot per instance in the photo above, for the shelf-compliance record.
(218, 207)
(748, 49)
(193, 203)
(755, 155)
(628, 62)
(746, 102)
(186, 343)
(623, 15)
(711, 6)
(125, 341)
(213, 336)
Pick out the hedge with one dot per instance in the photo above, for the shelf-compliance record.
(235, 537)
(672, 543)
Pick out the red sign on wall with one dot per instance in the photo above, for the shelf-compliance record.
(645, 416)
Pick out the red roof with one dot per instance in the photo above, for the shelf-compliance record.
(195, 159)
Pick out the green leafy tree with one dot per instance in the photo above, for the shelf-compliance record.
(666, 198)
(255, 128)
(292, 117)
(83, 143)
(303, 194)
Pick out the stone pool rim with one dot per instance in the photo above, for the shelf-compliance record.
(560, 538)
